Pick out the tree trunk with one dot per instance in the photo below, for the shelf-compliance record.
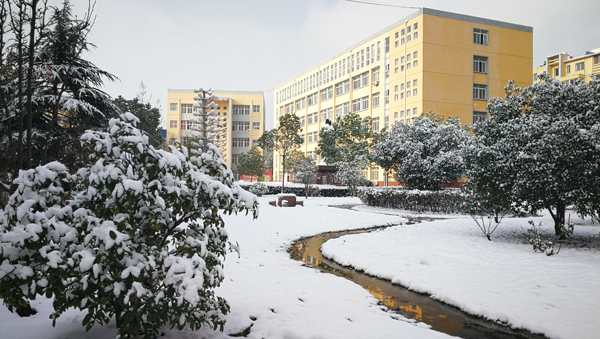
(559, 219)
(29, 81)
(283, 180)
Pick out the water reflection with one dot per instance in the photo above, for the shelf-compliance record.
(420, 307)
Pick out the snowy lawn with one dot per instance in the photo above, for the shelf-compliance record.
(279, 297)
(501, 280)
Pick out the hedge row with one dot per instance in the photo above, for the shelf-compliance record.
(299, 191)
(446, 201)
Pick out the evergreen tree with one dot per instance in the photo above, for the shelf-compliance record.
(149, 117)
(539, 150)
(348, 138)
(424, 155)
(303, 168)
(284, 139)
(251, 162)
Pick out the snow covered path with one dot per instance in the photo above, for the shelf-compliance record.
(278, 296)
(451, 260)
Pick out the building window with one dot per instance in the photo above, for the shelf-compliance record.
(480, 36)
(312, 99)
(254, 142)
(242, 109)
(580, 66)
(376, 76)
(186, 124)
(312, 137)
(416, 25)
(480, 92)
(256, 125)
(187, 108)
(408, 38)
(224, 108)
(240, 142)
(326, 114)
(172, 141)
(415, 63)
(415, 35)
(240, 126)
(395, 97)
(356, 105)
(402, 113)
(173, 124)
(402, 32)
(360, 80)
(556, 72)
(300, 104)
(173, 106)
(402, 41)
(408, 94)
(415, 92)
(312, 118)
(375, 173)
(596, 59)
(479, 116)
(408, 29)
(327, 93)
(396, 44)
(535, 76)
(480, 64)
(568, 69)
(376, 100)
(365, 103)
(415, 111)
(376, 124)
(255, 108)
(342, 87)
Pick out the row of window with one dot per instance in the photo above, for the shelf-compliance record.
(189, 108)
(355, 61)
(358, 60)
(237, 125)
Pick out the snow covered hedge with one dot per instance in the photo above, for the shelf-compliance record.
(341, 191)
(137, 234)
(445, 201)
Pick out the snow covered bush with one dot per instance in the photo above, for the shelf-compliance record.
(136, 234)
(424, 155)
(445, 201)
(539, 150)
(544, 243)
(258, 189)
(350, 173)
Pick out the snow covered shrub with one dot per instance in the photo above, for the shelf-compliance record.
(543, 242)
(446, 201)
(423, 155)
(136, 234)
(350, 173)
(487, 218)
(259, 189)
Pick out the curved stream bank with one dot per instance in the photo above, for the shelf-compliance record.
(420, 307)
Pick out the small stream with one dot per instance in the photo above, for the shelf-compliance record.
(420, 307)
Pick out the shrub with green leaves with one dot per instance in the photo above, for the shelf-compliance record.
(137, 234)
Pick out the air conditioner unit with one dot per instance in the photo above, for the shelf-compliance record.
(376, 83)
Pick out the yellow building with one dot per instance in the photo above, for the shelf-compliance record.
(428, 61)
(565, 67)
(244, 112)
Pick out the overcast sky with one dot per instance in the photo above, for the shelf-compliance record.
(257, 44)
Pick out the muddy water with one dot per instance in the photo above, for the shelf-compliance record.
(441, 317)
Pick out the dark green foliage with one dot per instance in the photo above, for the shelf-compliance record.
(149, 117)
(251, 163)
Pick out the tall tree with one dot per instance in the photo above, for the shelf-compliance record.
(303, 168)
(49, 94)
(425, 154)
(284, 139)
(251, 162)
(539, 149)
(346, 139)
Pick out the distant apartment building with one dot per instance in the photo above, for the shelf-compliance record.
(244, 112)
(566, 67)
(431, 60)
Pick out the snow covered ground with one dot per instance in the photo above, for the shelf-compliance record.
(502, 280)
(281, 298)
